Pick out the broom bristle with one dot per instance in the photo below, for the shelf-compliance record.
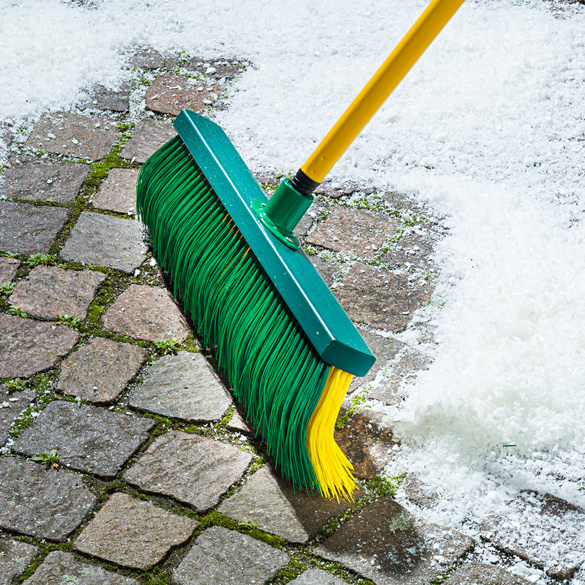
(292, 397)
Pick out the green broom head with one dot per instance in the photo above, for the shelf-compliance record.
(287, 347)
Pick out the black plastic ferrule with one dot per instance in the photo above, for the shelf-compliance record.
(301, 183)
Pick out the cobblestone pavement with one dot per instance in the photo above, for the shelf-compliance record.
(124, 459)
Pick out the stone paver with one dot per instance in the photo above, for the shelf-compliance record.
(42, 180)
(50, 291)
(480, 574)
(418, 492)
(367, 441)
(27, 229)
(415, 248)
(61, 567)
(384, 348)
(230, 558)
(383, 544)
(106, 241)
(238, 423)
(381, 299)
(146, 312)
(404, 371)
(12, 405)
(182, 386)
(118, 191)
(192, 469)
(100, 370)
(28, 347)
(542, 529)
(169, 94)
(272, 504)
(317, 577)
(359, 231)
(64, 503)
(217, 69)
(133, 533)
(87, 438)
(6, 133)
(74, 135)
(15, 557)
(102, 98)
(327, 269)
(147, 138)
(8, 269)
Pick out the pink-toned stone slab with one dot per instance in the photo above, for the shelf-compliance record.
(148, 136)
(169, 94)
(74, 135)
(381, 299)
(133, 533)
(192, 469)
(100, 370)
(118, 191)
(8, 269)
(359, 231)
(146, 312)
(50, 291)
(28, 347)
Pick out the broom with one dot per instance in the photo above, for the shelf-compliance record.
(287, 346)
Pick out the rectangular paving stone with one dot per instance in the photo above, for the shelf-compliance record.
(106, 241)
(415, 248)
(74, 135)
(480, 574)
(358, 231)
(36, 501)
(274, 506)
(87, 438)
(15, 557)
(28, 347)
(12, 405)
(146, 312)
(118, 191)
(380, 298)
(182, 386)
(50, 291)
(169, 94)
(148, 136)
(133, 533)
(542, 529)
(100, 370)
(103, 98)
(27, 229)
(383, 544)
(8, 269)
(43, 180)
(192, 469)
(230, 558)
(61, 567)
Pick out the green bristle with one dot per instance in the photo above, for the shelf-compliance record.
(272, 367)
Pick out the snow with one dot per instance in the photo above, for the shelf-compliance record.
(488, 128)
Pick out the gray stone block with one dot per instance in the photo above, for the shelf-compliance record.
(87, 438)
(230, 558)
(147, 138)
(27, 229)
(106, 241)
(182, 386)
(36, 501)
(28, 347)
(12, 405)
(118, 192)
(317, 577)
(14, 559)
(480, 574)
(8, 269)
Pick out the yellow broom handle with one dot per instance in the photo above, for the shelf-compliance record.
(371, 98)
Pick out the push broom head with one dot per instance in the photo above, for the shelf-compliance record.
(288, 348)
